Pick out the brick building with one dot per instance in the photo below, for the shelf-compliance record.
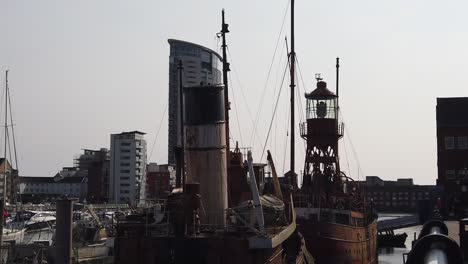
(452, 152)
(401, 195)
(159, 180)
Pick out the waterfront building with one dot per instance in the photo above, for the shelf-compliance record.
(200, 65)
(96, 165)
(127, 181)
(160, 180)
(401, 195)
(38, 189)
(452, 152)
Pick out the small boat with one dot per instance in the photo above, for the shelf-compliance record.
(391, 240)
(40, 228)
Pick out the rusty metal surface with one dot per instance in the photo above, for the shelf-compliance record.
(208, 167)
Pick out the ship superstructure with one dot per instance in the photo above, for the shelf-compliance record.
(338, 224)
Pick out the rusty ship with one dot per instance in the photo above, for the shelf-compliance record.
(222, 210)
(333, 216)
(337, 222)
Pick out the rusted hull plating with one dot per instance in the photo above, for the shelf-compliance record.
(337, 243)
(212, 250)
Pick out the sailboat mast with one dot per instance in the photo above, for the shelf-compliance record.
(2, 203)
(292, 85)
(6, 133)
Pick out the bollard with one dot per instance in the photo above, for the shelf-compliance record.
(434, 246)
(63, 231)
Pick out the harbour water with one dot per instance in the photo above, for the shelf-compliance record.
(395, 255)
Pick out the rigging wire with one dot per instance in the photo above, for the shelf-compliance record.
(268, 74)
(286, 138)
(2, 136)
(13, 132)
(274, 113)
(303, 115)
(359, 169)
(237, 113)
(278, 75)
(347, 158)
(242, 93)
(159, 129)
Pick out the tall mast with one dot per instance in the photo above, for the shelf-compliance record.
(224, 30)
(292, 85)
(2, 205)
(337, 79)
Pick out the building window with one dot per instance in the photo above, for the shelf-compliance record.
(124, 164)
(450, 174)
(461, 143)
(124, 178)
(449, 143)
(463, 188)
(124, 171)
(125, 144)
(125, 150)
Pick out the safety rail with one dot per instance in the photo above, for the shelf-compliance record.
(304, 132)
(240, 219)
(333, 202)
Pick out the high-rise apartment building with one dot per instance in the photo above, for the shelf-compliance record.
(127, 181)
(200, 65)
(452, 152)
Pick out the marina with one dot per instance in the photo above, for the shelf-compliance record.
(296, 194)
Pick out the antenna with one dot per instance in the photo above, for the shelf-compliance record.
(337, 76)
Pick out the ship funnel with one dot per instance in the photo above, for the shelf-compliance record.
(205, 149)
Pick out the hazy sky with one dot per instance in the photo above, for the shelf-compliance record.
(81, 70)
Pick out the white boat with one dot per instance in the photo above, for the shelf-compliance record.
(10, 235)
(40, 228)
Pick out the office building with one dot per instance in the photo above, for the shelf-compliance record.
(127, 181)
(452, 152)
(200, 65)
(38, 189)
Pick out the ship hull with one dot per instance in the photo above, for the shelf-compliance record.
(338, 243)
(199, 250)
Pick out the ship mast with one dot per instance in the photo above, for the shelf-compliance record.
(292, 85)
(224, 30)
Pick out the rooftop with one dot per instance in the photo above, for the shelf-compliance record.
(177, 41)
(452, 112)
